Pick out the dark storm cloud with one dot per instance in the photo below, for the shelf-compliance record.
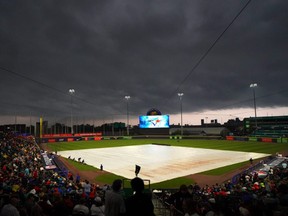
(108, 49)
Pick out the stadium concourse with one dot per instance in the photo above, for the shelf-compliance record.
(31, 185)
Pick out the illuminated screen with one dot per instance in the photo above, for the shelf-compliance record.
(154, 121)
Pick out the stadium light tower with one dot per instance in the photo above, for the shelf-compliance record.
(180, 98)
(253, 86)
(71, 92)
(127, 97)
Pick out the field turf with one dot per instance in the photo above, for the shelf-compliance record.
(245, 146)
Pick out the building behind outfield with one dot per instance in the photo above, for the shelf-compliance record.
(271, 126)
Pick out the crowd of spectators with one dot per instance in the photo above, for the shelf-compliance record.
(28, 188)
(250, 196)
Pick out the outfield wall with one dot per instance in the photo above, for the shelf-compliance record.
(90, 138)
(93, 138)
(259, 139)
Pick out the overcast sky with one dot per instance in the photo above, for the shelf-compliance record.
(147, 49)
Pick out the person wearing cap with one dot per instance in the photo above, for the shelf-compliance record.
(97, 208)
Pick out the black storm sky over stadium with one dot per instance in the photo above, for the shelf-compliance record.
(150, 50)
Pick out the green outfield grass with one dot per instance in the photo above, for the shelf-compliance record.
(259, 147)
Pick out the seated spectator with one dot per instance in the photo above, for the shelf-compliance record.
(176, 199)
(45, 204)
(80, 208)
(190, 207)
(11, 207)
(97, 208)
(31, 204)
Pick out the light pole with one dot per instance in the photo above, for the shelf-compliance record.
(253, 86)
(127, 97)
(112, 125)
(180, 98)
(71, 92)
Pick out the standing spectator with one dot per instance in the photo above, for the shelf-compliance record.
(114, 201)
(87, 188)
(139, 204)
(70, 176)
(271, 172)
(77, 178)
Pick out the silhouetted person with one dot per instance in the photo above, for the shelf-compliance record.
(139, 203)
(114, 201)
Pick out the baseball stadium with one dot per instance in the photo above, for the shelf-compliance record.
(143, 108)
(210, 166)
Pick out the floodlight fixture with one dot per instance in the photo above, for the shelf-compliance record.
(180, 98)
(253, 86)
(71, 92)
(127, 97)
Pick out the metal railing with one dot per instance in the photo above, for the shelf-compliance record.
(162, 208)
